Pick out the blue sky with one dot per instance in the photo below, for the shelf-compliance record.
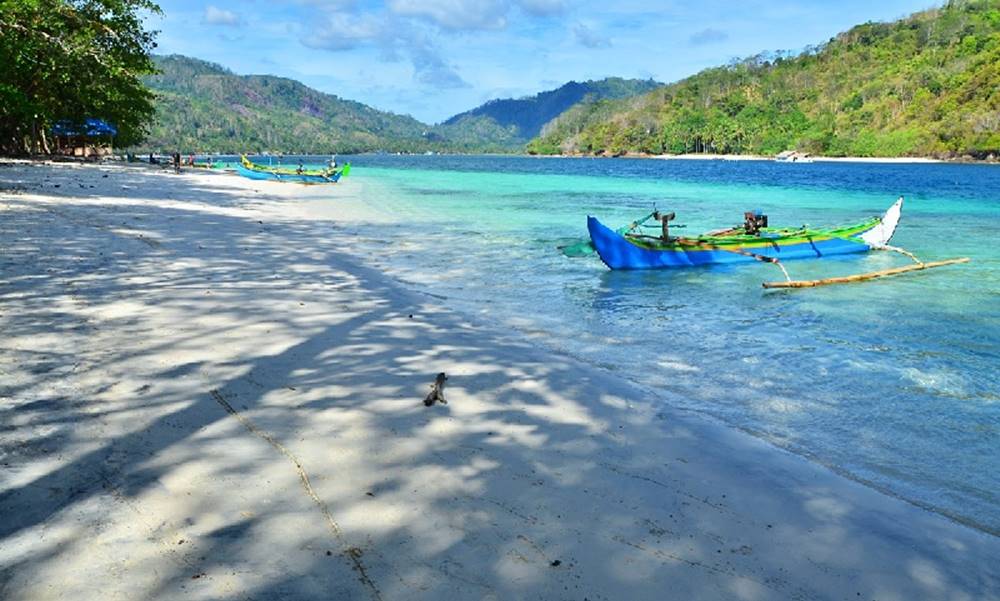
(435, 58)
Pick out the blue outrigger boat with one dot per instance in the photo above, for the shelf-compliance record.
(246, 168)
(739, 245)
(753, 241)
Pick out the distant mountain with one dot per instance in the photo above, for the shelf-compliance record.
(204, 107)
(926, 85)
(510, 123)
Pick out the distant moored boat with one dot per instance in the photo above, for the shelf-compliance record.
(247, 168)
(793, 156)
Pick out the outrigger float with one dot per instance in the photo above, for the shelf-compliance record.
(628, 248)
(249, 169)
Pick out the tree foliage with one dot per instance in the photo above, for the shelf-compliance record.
(926, 85)
(72, 60)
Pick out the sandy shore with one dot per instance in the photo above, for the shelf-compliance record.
(708, 157)
(817, 159)
(896, 160)
(203, 396)
(758, 157)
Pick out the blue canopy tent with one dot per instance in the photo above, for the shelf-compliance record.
(78, 136)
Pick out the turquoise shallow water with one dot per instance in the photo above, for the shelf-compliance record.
(893, 382)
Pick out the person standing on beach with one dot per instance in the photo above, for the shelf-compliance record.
(177, 162)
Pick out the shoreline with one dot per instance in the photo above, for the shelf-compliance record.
(751, 157)
(536, 478)
(816, 159)
(659, 157)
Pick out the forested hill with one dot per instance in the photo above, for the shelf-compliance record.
(926, 85)
(203, 107)
(510, 123)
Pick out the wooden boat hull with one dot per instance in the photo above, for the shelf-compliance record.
(283, 177)
(619, 252)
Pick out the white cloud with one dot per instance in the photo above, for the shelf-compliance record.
(590, 38)
(431, 69)
(330, 4)
(218, 16)
(470, 15)
(455, 14)
(543, 8)
(394, 38)
(344, 32)
(708, 36)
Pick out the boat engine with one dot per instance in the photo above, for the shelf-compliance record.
(753, 222)
(665, 218)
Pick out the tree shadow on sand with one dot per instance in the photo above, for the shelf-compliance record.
(234, 411)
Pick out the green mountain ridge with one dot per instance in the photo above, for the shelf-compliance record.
(204, 107)
(510, 123)
(926, 85)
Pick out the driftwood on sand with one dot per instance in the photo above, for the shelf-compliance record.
(437, 391)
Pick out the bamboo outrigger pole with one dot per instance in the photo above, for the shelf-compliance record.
(860, 277)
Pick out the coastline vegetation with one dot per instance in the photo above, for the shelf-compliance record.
(70, 60)
(926, 85)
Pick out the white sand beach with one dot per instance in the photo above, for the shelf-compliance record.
(815, 159)
(886, 160)
(707, 156)
(204, 395)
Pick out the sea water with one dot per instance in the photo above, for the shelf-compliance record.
(893, 382)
